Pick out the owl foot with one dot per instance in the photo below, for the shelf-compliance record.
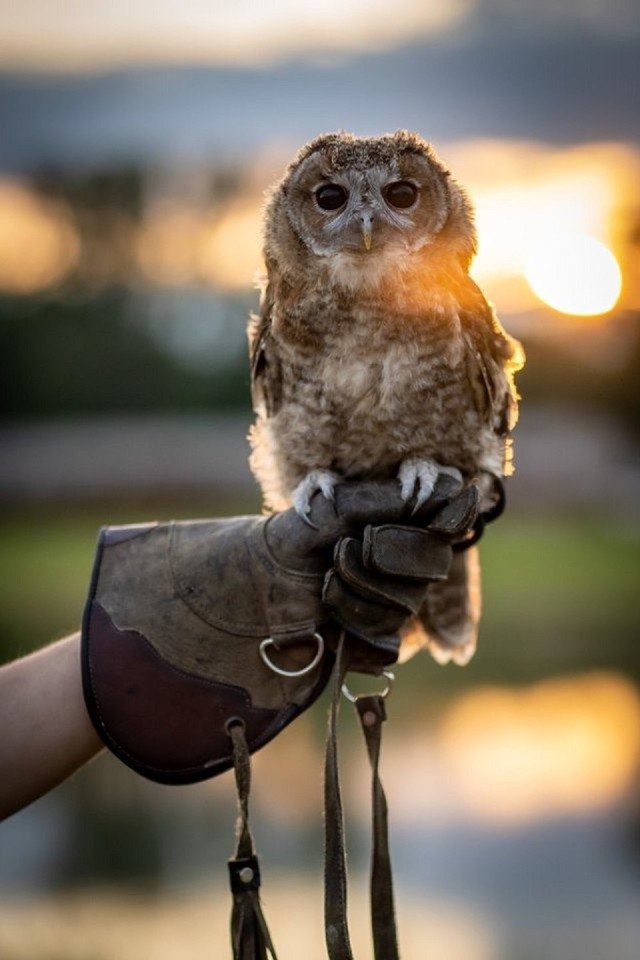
(424, 474)
(322, 481)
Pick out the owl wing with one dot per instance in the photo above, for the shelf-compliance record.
(266, 367)
(492, 358)
(447, 623)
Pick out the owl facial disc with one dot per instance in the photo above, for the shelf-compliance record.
(359, 210)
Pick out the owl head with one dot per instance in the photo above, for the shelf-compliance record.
(374, 203)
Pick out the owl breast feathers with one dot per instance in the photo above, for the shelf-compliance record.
(374, 353)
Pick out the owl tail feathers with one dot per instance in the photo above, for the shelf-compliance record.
(447, 624)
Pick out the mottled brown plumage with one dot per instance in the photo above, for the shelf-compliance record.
(374, 353)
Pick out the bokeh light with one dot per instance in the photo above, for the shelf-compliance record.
(563, 745)
(575, 274)
(230, 253)
(166, 244)
(527, 195)
(537, 208)
(38, 245)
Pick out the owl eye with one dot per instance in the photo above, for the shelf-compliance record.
(331, 196)
(401, 194)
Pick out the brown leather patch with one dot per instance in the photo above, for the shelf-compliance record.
(164, 723)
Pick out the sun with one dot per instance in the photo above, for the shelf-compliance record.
(574, 273)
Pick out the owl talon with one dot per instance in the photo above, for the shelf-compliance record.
(423, 474)
(317, 481)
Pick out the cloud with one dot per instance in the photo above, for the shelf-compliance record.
(607, 17)
(92, 35)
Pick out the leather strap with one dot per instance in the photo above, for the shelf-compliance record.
(372, 714)
(249, 933)
(336, 925)
(250, 938)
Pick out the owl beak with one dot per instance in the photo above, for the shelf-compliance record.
(367, 230)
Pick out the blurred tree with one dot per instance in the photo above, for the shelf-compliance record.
(119, 189)
(59, 357)
(558, 372)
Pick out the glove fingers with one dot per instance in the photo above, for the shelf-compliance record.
(358, 503)
(406, 594)
(459, 515)
(365, 617)
(406, 552)
(355, 504)
(361, 502)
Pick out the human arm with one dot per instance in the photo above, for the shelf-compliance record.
(46, 731)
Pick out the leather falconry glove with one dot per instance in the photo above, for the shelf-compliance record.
(191, 624)
(203, 639)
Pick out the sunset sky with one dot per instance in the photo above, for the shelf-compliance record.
(51, 34)
(534, 109)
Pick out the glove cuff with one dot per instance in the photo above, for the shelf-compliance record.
(171, 649)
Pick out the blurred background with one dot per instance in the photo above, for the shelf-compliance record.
(137, 142)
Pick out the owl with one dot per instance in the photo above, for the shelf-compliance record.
(374, 354)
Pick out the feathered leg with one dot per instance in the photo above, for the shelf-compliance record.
(447, 624)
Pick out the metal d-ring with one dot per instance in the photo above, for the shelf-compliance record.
(390, 677)
(270, 642)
